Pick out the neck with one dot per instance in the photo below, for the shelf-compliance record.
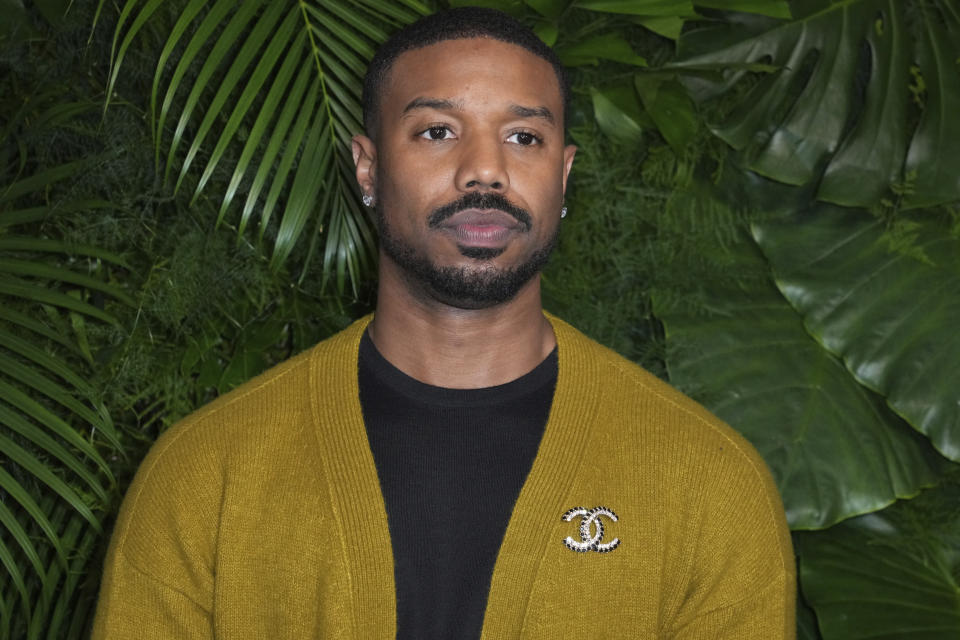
(459, 348)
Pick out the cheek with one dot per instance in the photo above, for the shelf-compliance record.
(539, 187)
(413, 181)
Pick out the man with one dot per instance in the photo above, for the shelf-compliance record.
(458, 465)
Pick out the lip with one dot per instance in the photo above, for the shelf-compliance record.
(481, 227)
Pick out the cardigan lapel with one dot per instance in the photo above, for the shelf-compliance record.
(541, 501)
(363, 534)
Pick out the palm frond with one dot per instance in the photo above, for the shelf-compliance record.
(256, 102)
(54, 430)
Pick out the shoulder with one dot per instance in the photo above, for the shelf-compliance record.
(632, 387)
(278, 400)
(639, 410)
(261, 421)
(259, 433)
(652, 440)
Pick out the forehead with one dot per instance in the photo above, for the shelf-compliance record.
(474, 72)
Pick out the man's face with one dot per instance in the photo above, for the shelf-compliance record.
(469, 169)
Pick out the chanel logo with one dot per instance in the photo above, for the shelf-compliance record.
(590, 540)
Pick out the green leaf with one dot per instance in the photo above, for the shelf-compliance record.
(551, 9)
(618, 113)
(13, 217)
(19, 534)
(47, 245)
(807, 628)
(60, 274)
(16, 22)
(395, 11)
(14, 573)
(513, 7)
(200, 33)
(260, 78)
(547, 31)
(870, 159)
(772, 8)
(39, 356)
(16, 491)
(933, 164)
(43, 179)
(888, 575)
(80, 332)
(681, 8)
(227, 36)
(74, 595)
(888, 312)
(666, 26)
(266, 26)
(30, 323)
(196, 349)
(210, 372)
(609, 46)
(288, 116)
(29, 291)
(278, 93)
(32, 465)
(809, 121)
(834, 448)
(53, 11)
(344, 236)
(242, 367)
(40, 383)
(316, 161)
(15, 422)
(667, 103)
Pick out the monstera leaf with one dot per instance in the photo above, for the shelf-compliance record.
(271, 89)
(889, 312)
(685, 8)
(811, 120)
(834, 449)
(892, 574)
(807, 628)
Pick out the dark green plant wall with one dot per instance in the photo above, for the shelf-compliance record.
(763, 211)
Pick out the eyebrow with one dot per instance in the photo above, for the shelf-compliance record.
(532, 112)
(442, 104)
(430, 103)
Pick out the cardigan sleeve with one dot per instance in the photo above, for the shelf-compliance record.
(158, 574)
(766, 614)
(134, 604)
(743, 575)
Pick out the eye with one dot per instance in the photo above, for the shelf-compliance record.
(524, 138)
(437, 132)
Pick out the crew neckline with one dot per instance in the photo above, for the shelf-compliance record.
(370, 358)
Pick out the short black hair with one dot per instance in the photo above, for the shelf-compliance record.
(452, 24)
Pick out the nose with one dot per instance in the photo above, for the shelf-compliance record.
(483, 165)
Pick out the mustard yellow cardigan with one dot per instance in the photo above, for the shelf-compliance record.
(260, 516)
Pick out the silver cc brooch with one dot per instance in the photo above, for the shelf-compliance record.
(591, 530)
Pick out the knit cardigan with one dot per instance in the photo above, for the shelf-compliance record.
(260, 516)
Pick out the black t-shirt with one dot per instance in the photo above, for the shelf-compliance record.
(451, 463)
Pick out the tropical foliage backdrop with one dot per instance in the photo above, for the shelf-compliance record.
(764, 211)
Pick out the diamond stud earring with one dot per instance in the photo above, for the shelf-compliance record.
(367, 199)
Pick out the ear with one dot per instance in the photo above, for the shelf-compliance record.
(569, 152)
(365, 160)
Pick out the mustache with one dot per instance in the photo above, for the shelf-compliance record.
(478, 200)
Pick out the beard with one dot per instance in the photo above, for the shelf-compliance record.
(467, 287)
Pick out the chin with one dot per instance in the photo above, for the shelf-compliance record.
(481, 253)
(481, 283)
